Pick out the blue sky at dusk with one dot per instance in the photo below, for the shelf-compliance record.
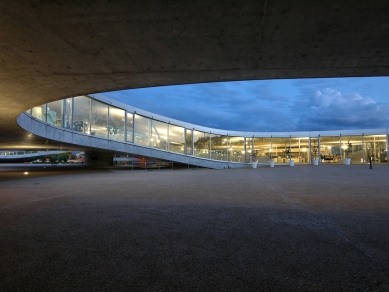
(270, 105)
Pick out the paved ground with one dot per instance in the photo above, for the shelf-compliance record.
(304, 228)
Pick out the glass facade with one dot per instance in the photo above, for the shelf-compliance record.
(201, 144)
(116, 124)
(376, 148)
(236, 149)
(99, 119)
(68, 115)
(188, 142)
(93, 117)
(81, 116)
(142, 130)
(352, 147)
(314, 149)
(299, 150)
(176, 139)
(330, 149)
(55, 113)
(263, 149)
(39, 112)
(159, 132)
(130, 127)
(218, 147)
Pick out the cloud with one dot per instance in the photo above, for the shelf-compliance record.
(329, 109)
(306, 104)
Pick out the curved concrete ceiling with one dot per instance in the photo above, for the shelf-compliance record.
(55, 49)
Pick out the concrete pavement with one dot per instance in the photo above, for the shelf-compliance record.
(301, 228)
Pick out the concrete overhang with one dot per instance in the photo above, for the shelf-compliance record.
(55, 49)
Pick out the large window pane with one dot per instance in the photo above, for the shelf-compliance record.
(54, 113)
(116, 123)
(39, 112)
(330, 149)
(375, 147)
(248, 149)
(280, 149)
(159, 135)
(68, 113)
(314, 149)
(81, 119)
(201, 144)
(263, 148)
(236, 149)
(218, 147)
(130, 125)
(299, 149)
(352, 147)
(99, 119)
(176, 139)
(188, 142)
(142, 130)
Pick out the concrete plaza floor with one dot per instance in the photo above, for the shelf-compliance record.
(302, 228)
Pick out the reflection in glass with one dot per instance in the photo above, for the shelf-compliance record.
(116, 123)
(218, 147)
(263, 148)
(81, 118)
(280, 149)
(38, 112)
(130, 127)
(99, 119)
(176, 139)
(376, 148)
(188, 142)
(159, 134)
(201, 144)
(330, 149)
(54, 113)
(314, 149)
(236, 149)
(299, 149)
(248, 149)
(142, 130)
(68, 113)
(352, 147)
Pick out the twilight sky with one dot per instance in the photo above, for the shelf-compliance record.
(270, 105)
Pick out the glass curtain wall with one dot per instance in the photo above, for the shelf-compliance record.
(55, 113)
(130, 127)
(299, 149)
(218, 147)
(89, 116)
(99, 119)
(176, 139)
(159, 135)
(352, 147)
(116, 123)
(375, 147)
(39, 112)
(330, 149)
(314, 149)
(68, 113)
(201, 141)
(280, 149)
(263, 148)
(188, 141)
(142, 130)
(248, 149)
(81, 117)
(236, 149)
